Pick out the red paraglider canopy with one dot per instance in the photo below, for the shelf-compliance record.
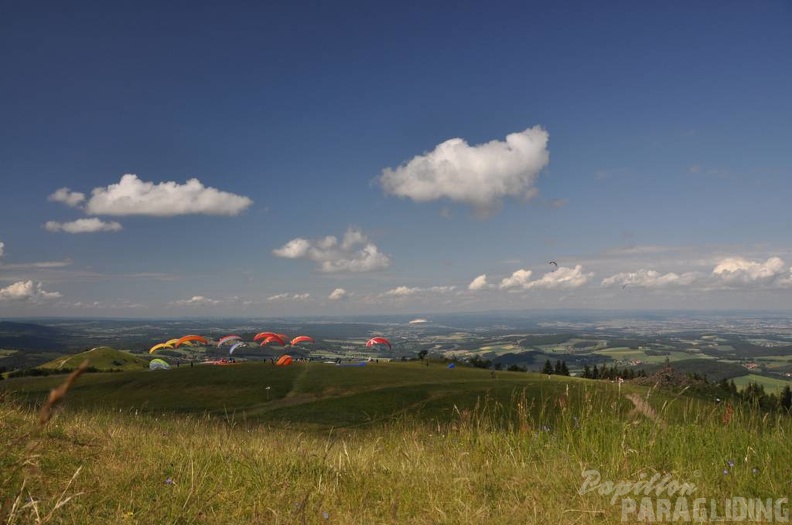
(379, 341)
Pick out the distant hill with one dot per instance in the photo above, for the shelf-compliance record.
(31, 336)
(713, 370)
(101, 358)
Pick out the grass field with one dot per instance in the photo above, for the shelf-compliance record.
(770, 384)
(388, 443)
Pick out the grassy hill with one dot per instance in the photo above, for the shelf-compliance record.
(101, 358)
(386, 443)
(312, 394)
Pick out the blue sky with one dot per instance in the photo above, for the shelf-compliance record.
(326, 158)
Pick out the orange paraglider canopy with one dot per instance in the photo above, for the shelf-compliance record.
(187, 338)
(273, 339)
(263, 335)
(302, 339)
(284, 360)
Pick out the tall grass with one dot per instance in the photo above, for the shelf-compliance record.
(493, 462)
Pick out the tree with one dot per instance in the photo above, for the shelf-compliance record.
(548, 368)
(786, 398)
(422, 354)
(477, 362)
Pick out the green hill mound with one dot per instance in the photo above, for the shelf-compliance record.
(325, 396)
(100, 358)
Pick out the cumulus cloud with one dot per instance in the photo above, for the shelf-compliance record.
(478, 175)
(519, 279)
(338, 294)
(26, 291)
(563, 278)
(355, 253)
(289, 297)
(479, 283)
(197, 300)
(91, 225)
(68, 197)
(404, 291)
(650, 279)
(132, 196)
(741, 271)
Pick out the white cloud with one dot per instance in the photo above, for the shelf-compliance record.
(132, 196)
(563, 278)
(479, 283)
(68, 197)
(738, 271)
(91, 225)
(478, 175)
(198, 300)
(289, 297)
(338, 294)
(741, 271)
(26, 290)
(518, 279)
(650, 279)
(404, 291)
(355, 253)
(2, 248)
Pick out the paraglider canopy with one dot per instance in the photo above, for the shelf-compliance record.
(263, 335)
(276, 339)
(234, 347)
(158, 364)
(376, 341)
(302, 339)
(555, 264)
(158, 346)
(284, 360)
(188, 338)
(227, 338)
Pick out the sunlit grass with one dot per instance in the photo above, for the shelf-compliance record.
(494, 461)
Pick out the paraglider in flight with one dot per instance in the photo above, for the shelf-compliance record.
(554, 264)
(284, 360)
(302, 339)
(158, 346)
(235, 346)
(227, 338)
(188, 338)
(263, 335)
(374, 341)
(158, 364)
(274, 339)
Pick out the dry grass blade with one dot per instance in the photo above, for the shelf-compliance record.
(57, 394)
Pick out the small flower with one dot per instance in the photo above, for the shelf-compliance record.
(326, 515)
(169, 481)
(725, 472)
(755, 470)
(730, 463)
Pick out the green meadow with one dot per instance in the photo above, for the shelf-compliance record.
(770, 384)
(384, 443)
